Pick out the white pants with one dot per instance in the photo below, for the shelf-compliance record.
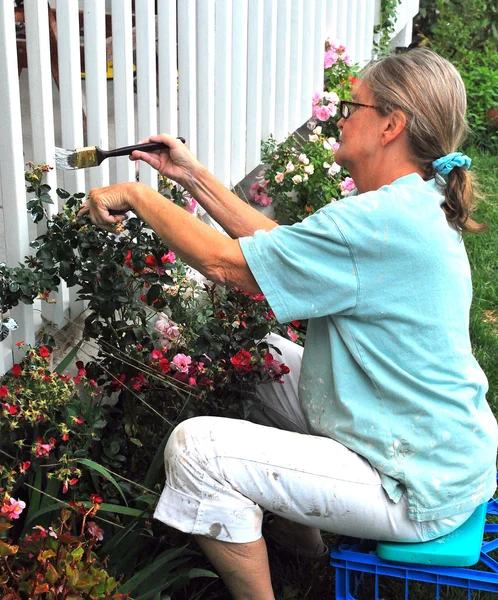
(221, 473)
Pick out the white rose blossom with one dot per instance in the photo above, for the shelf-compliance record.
(334, 169)
(317, 130)
(297, 179)
(304, 159)
(289, 168)
(310, 169)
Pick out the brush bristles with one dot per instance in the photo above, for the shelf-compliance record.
(81, 158)
(65, 159)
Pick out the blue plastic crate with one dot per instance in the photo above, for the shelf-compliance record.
(351, 562)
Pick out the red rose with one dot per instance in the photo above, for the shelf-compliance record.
(4, 391)
(150, 261)
(44, 352)
(16, 370)
(242, 361)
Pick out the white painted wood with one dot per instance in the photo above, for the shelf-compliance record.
(12, 164)
(68, 43)
(167, 70)
(319, 46)
(187, 90)
(42, 119)
(239, 90)
(124, 100)
(255, 45)
(205, 82)
(282, 126)
(368, 33)
(269, 68)
(351, 36)
(307, 88)
(40, 92)
(96, 86)
(146, 81)
(223, 90)
(332, 22)
(296, 64)
(360, 30)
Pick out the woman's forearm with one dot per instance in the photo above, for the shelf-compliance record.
(237, 218)
(213, 254)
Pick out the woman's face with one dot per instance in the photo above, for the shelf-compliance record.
(360, 132)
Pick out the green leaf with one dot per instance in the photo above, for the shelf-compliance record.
(104, 472)
(157, 463)
(62, 193)
(68, 359)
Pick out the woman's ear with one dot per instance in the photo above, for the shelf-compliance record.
(395, 125)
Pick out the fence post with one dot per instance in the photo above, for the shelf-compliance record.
(42, 125)
(68, 42)
(12, 165)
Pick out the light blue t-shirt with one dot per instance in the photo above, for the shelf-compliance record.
(388, 369)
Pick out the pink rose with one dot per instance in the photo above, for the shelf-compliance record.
(181, 363)
(321, 112)
(330, 58)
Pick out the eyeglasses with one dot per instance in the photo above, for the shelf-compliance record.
(346, 111)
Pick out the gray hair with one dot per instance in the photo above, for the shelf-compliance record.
(431, 93)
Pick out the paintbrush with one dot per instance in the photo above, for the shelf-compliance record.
(92, 156)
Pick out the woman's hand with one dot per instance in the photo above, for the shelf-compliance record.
(175, 162)
(108, 206)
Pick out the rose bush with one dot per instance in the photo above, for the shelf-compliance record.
(300, 175)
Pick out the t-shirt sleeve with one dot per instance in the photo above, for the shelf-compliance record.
(306, 270)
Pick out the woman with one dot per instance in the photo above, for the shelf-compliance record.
(388, 434)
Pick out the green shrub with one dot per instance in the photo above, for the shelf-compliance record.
(466, 33)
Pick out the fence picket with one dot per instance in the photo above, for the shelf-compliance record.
(167, 60)
(226, 74)
(96, 86)
(187, 90)
(124, 101)
(283, 72)
(146, 80)
(12, 167)
(307, 72)
(71, 107)
(205, 82)
(254, 84)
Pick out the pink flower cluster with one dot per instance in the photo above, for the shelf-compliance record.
(335, 51)
(324, 105)
(257, 191)
(12, 508)
(168, 330)
(347, 186)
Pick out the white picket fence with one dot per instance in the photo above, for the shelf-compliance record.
(224, 74)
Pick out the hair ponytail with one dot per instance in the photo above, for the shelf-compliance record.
(459, 196)
(431, 93)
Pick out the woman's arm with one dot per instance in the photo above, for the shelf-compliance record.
(215, 255)
(176, 162)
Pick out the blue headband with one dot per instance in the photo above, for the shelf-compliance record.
(446, 163)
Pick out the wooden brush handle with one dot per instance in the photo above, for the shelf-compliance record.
(127, 150)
